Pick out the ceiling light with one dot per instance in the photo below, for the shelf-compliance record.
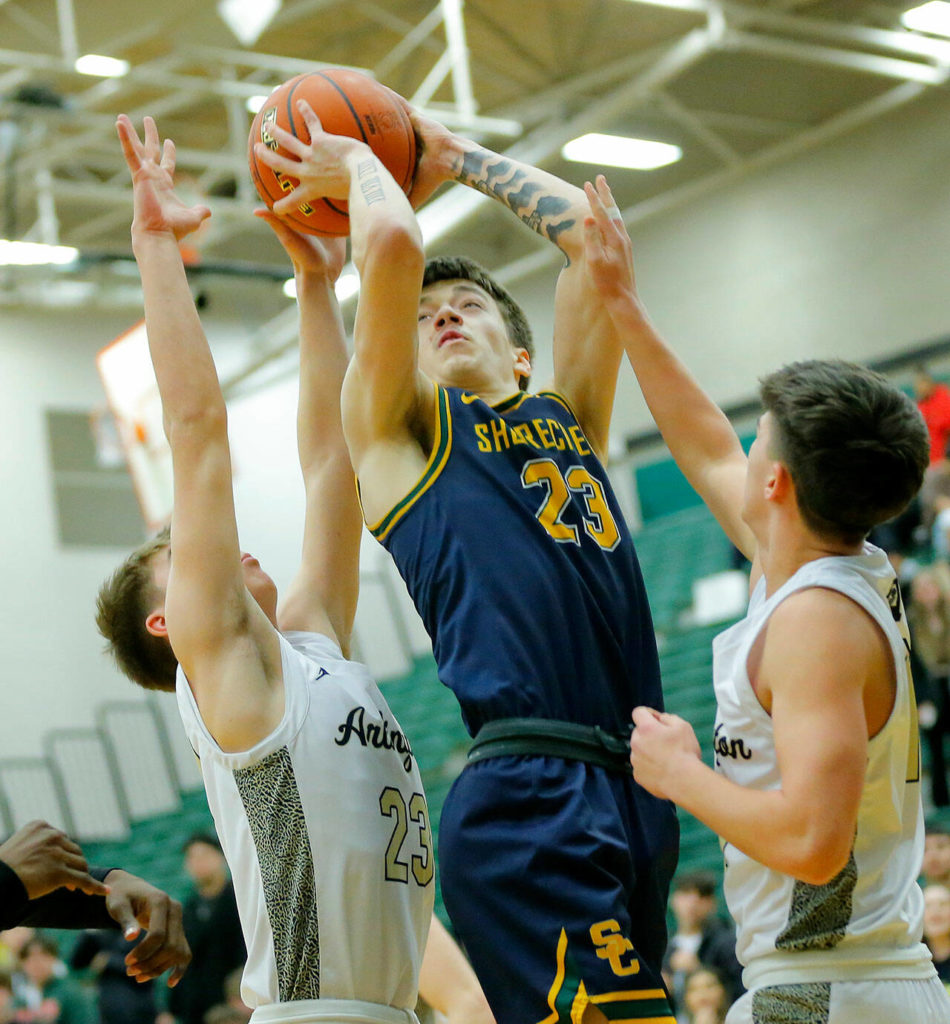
(101, 67)
(347, 285)
(247, 19)
(618, 151)
(254, 103)
(932, 17)
(29, 254)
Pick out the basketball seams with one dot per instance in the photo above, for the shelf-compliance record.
(346, 99)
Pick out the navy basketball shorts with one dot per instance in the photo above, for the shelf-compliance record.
(556, 874)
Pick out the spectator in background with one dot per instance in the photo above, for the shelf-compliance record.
(706, 997)
(232, 994)
(7, 1009)
(935, 505)
(50, 995)
(212, 928)
(121, 999)
(933, 400)
(701, 939)
(928, 616)
(937, 928)
(935, 869)
(224, 1014)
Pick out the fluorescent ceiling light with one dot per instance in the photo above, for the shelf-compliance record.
(101, 67)
(247, 19)
(254, 103)
(347, 285)
(932, 17)
(29, 254)
(617, 151)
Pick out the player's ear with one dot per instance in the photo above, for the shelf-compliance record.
(522, 363)
(155, 623)
(778, 483)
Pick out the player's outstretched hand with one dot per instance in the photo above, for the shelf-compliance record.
(659, 744)
(321, 166)
(310, 254)
(152, 165)
(44, 859)
(607, 247)
(136, 905)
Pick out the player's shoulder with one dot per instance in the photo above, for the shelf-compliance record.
(821, 615)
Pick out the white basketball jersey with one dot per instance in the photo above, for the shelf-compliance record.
(325, 828)
(867, 921)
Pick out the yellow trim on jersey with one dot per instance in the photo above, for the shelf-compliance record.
(512, 402)
(558, 397)
(441, 446)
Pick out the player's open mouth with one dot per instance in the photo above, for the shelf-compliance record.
(450, 336)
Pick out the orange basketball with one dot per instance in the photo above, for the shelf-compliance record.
(347, 103)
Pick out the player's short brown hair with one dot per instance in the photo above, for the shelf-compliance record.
(123, 604)
(460, 268)
(855, 445)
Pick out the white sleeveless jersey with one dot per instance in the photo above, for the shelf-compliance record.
(867, 921)
(325, 828)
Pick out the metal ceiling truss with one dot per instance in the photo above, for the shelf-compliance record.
(544, 121)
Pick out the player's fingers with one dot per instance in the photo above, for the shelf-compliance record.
(84, 882)
(129, 140)
(312, 121)
(152, 147)
(289, 142)
(168, 156)
(643, 715)
(276, 161)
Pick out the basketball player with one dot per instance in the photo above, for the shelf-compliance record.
(816, 787)
(495, 505)
(314, 788)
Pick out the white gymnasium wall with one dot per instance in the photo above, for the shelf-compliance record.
(53, 672)
(845, 251)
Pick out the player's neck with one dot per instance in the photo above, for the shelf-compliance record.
(787, 545)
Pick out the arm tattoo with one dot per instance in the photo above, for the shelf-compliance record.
(502, 179)
(370, 183)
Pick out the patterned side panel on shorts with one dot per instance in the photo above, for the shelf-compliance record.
(275, 815)
(792, 1004)
(819, 914)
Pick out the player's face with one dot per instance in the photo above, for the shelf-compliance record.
(758, 470)
(463, 337)
(260, 586)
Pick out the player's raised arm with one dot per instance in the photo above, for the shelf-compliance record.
(206, 605)
(587, 352)
(384, 392)
(697, 432)
(322, 597)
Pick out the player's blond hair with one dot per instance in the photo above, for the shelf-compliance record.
(122, 606)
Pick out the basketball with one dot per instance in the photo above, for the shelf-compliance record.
(347, 103)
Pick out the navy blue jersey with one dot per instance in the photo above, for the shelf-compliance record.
(517, 557)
